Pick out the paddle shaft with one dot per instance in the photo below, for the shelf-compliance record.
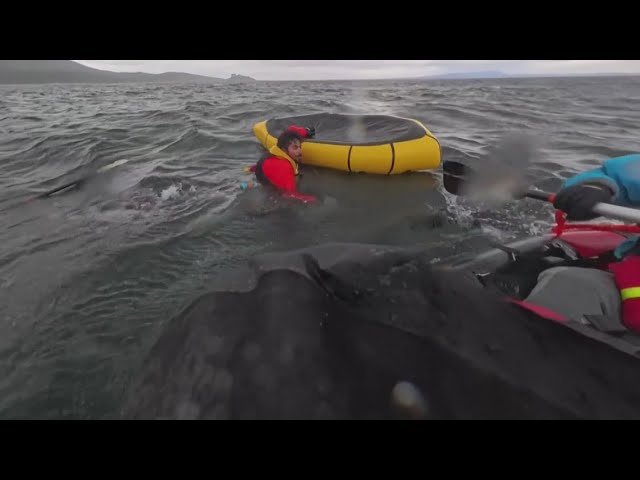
(603, 209)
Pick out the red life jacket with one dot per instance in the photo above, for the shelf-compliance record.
(627, 277)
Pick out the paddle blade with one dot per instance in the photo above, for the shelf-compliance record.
(455, 175)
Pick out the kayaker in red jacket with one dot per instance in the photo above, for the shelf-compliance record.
(612, 295)
(280, 168)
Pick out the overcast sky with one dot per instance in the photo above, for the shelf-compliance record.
(360, 69)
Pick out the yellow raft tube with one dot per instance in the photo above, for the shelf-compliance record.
(379, 144)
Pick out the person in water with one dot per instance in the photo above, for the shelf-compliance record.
(279, 169)
(611, 296)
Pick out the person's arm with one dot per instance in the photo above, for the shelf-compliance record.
(301, 196)
(595, 177)
(617, 181)
(303, 131)
(621, 175)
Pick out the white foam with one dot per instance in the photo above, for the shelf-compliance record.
(174, 191)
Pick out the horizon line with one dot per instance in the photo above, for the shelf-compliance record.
(443, 76)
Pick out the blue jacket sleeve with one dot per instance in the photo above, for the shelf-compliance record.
(621, 174)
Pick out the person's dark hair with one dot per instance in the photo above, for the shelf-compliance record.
(286, 137)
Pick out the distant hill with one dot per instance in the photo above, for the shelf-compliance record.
(481, 74)
(68, 71)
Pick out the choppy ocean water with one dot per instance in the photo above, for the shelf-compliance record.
(89, 278)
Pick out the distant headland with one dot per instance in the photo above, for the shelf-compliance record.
(68, 71)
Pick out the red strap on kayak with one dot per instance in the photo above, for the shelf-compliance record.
(562, 226)
(539, 310)
(561, 220)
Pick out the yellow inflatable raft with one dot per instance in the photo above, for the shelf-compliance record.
(381, 144)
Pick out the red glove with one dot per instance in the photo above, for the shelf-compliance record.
(302, 131)
(627, 278)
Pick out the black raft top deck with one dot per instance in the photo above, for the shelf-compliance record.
(347, 129)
